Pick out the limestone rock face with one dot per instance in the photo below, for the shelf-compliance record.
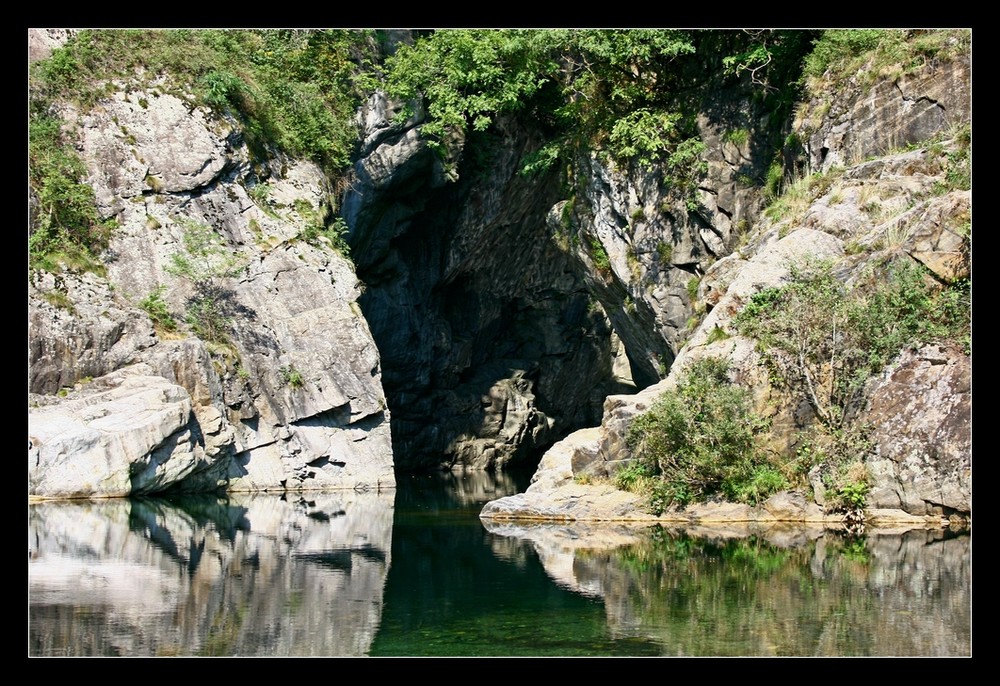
(128, 433)
(887, 208)
(554, 495)
(865, 120)
(78, 328)
(921, 412)
(286, 390)
(141, 143)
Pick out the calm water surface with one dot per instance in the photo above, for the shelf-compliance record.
(414, 572)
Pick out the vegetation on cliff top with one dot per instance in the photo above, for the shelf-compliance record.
(293, 91)
(296, 90)
(630, 94)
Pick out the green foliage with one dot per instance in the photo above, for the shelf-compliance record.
(841, 53)
(541, 159)
(296, 89)
(634, 477)
(737, 137)
(760, 56)
(600, 256)
(756, 484)
(700, 439)
(58, 297)
(793, 199)
(665, 251)
(837, 48)
(204, 256)
(66, 230)
(826, 341)
(292, 376)
(157, 309)
(958, 165)
(839, 454)
(468, 76)
(716, 334)
(207, 314)
(605, 89)
(853, 494)
(205, 260)
(847, 486)
(774, 180)
(692, 287)
(333, 233)
(644, 134)
(260, 193)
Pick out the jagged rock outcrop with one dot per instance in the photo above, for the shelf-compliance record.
(127, 433)
(895, 205)
(287, 367)
(491, 349)
(923, 437)
(78, 329)
(871, 115)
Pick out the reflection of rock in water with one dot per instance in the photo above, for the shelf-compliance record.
(779, 592)
(248, 575)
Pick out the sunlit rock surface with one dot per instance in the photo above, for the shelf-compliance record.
(290, 385)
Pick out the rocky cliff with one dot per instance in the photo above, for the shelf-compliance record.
(275, 383)
(501, 311)
(879, 190)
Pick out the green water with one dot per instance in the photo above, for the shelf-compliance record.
(414, 572)
(456, 589)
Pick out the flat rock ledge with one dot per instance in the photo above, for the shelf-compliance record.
(604, 503)
(556, 496)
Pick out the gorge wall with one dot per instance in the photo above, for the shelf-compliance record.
(499, 311)
(279, 389)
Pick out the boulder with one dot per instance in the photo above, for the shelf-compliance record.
(128, 433)
(921, 412)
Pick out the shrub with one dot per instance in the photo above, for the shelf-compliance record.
(634, 477)
(294, 89)
(700, 439)
(692, 287)
(205, 261)
(156, 308)
(292, 376)
(716, 334)
(826, 340)
(66, 229)
(847, 487)
(665, 251)
(600, 256)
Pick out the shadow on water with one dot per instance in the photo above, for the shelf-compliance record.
(416, 572)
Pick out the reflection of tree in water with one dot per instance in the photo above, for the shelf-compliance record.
(745, 596)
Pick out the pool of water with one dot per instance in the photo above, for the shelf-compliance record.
(414, 572)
